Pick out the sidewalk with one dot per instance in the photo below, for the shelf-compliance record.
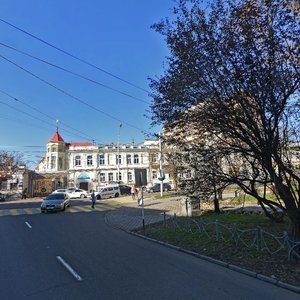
(129, 215)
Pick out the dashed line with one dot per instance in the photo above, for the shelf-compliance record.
(69, 268)
(29, 226)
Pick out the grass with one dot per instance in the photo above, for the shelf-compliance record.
(226, 249)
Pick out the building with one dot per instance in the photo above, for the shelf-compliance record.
(87, 165)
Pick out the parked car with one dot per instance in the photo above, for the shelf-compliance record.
(59, 191)
(76, 193)
(125, 189)
(156, 187)
(55, 202)
(2, 197)
(108, 192)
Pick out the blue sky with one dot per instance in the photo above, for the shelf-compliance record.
(113, 35)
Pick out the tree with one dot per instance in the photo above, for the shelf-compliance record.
(234, 66)
(9, 162)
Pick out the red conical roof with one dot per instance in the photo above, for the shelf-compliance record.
(56, 137)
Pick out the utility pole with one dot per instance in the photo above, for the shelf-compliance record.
(161, 171)
(118, 156)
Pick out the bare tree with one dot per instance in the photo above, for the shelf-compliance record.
(235, 66)
(9, 161)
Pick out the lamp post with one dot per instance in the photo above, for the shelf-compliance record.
(161, 171)
(118, 155)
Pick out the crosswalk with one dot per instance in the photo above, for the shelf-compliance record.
(37, 210)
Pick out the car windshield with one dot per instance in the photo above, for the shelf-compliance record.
(58, 196)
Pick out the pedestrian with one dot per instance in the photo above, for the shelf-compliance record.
(24, 193)
(93, 197)
(133, 192)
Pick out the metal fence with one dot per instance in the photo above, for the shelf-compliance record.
(255, 238)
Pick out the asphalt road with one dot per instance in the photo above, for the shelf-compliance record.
(78, 256)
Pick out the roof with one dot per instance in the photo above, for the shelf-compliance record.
(80, 144)
(56, 137)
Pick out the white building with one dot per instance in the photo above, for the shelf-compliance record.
(88, 166)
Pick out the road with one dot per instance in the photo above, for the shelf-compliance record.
(78, 256)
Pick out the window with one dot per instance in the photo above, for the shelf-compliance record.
(60, 166)
(102, 177)
(153, 158)
(136, 158)
(154, 174)
(110, 177)
(77, 160)
(89, 160)
(53, 161)
(53, 149)
(118, 161)
(119, 178)
(128, 159)
(129, 176)
(101, 159)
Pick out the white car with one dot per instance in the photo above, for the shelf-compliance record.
(108, 192)
(77, 193)
(59, 191)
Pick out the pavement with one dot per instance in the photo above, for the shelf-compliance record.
(129, 215)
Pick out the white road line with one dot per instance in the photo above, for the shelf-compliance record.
(28, 224)
(69, 268)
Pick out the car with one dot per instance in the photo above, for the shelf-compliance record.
(77, 193)
(55, 202)
(2, 197)
(156, 187)
(59, 191)
(108, 192)
(125, 189)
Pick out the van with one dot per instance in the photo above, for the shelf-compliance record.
(108, 192)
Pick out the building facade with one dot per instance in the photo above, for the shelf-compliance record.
(89, 166)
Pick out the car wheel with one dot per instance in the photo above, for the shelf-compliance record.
(116, 195)
(82, 196)
(98, 197)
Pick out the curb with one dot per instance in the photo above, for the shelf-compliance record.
(235, 268)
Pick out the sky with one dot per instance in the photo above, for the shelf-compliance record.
(89, 101)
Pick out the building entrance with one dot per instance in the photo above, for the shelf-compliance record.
(84, 186)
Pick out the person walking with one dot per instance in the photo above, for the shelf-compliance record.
(93, 197)
(133, 192)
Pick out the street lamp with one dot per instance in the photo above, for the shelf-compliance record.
(118, 155)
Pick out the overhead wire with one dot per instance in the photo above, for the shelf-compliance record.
(72, 55)
(73, 73)
(48, 116)
(37, 118)
(72, 96)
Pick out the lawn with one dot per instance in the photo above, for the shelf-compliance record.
(249, 241)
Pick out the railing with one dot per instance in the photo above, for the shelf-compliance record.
(255, 238)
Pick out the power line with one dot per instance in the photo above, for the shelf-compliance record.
(73, 56)
(73, 97)
(48, 116)
(37, 118)
(74, 73)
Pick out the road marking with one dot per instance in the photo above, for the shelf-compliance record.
(28, 211)
(83, 208)
(14, 212)
(28, 224)
(69, 268)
